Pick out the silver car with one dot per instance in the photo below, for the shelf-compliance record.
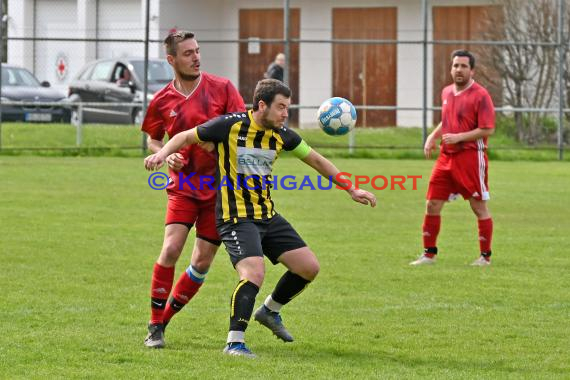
(116, 81)
(21, 86)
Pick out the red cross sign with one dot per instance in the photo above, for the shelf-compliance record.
(61, 66)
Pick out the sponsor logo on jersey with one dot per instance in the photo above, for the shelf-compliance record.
(255, 161)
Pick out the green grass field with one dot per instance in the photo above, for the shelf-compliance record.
(80, 235)
(126, 141)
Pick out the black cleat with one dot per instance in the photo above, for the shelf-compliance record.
(273, 322)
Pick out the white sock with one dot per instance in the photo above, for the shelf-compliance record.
(236, 336)
(272, 305)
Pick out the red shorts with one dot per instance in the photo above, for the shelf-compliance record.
(189, 211)
(464, 173)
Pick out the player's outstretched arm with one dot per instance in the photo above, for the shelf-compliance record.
(175, 161)
(155, 161)
(154, 145)
(327, 169)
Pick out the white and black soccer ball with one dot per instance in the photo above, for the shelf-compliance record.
(336, 116)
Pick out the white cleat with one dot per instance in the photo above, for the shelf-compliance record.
(423, 260)
(481, 262)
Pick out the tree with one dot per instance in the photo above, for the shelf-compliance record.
(528, 71)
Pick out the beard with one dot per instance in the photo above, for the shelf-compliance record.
(265, 122)
(188, 77)
(461, 81)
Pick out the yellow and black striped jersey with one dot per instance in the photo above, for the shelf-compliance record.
(246, 154)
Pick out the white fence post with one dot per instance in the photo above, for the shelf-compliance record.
(79, 128)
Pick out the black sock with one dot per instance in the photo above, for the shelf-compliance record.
(288, 287)
(242, 303)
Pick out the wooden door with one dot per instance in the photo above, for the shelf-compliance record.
(463, 23)
(366, 73)
(253, 62)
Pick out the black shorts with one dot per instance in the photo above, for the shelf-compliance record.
(249, 238)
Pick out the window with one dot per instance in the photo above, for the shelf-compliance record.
(120, 73)
(12, 76)
(101, 71)
(158, 71)
(86, 73)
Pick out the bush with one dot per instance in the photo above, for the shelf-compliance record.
(541, 129)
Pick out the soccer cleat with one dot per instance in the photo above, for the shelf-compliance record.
(155, 337)
(424, 260)
(238, 349)
(273, 322)
(481, 262)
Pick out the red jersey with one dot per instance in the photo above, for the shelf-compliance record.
(159, 114)
(465, 111)
(171, 112)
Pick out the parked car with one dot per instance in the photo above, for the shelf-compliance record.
(116, 81)
(20, 85)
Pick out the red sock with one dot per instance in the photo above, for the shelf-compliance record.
(485, 236)
(186, 287)
(162, 279)
(430, 230)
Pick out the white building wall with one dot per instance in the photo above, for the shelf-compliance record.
(53, 20)
(20, 24)
(315, 60)
(213, 20)
(86, 28)
(123, 20)
(75, 19)
(410, 64)
(155, 33)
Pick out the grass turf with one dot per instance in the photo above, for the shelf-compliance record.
(80, 235)
(126, 140)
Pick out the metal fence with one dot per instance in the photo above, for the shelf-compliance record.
(100, 41)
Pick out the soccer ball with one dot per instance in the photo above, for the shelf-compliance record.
(337, 116)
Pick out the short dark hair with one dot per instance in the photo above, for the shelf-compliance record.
(267, 89)
(464, 53)
(173, 39)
